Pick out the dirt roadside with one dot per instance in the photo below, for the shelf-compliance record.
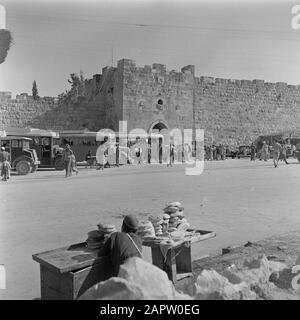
(267, 268)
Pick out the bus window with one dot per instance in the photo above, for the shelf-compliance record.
(46, 141)
(25, 144)
(5, 144)
(36, 141)
(75, 142)
(15, 143)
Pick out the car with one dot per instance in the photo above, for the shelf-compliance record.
(231, 153)
(23, 159)
(244, 152)
(297, 152)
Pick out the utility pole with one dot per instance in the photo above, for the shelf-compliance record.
(112, 55)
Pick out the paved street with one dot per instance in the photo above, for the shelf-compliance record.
(239, 199)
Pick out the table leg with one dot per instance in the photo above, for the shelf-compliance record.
(157, 257)
(170, 265)
(184, 259)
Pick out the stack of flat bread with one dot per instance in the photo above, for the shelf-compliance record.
(177, 219)
(146, 229)
(97, 238)
(106, 229)
(157, 223)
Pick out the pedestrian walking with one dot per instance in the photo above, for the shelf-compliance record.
(276, 153)
(214, 152)
(252, 152)
(187, 153)
(67, 158)
(293, 150)
(218, 152)
(73, 164)
(172, 155)
(138, 154)
(223, 152)
(5, 170)
(101, 156)
(211, 156)
(283, 154)
(117, 154)
(4, 164)
(88, 159)
(264, 151)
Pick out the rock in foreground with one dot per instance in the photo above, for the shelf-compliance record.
(137, 280)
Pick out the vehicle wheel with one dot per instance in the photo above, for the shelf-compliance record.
(23, 167)
(34, 168)
(59, 164)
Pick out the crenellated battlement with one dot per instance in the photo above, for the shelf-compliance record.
(157, 68)
(6, 96)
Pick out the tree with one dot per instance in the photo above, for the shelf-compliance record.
(34, 91)
(77, 84)
(5, 43)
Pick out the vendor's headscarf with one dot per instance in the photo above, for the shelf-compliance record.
(130, 223)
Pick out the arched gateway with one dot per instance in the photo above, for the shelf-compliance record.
(157, 125)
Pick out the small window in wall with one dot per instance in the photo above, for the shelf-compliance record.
(160, 105)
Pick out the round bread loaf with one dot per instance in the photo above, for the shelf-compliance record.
(174, 204)
(170, 209)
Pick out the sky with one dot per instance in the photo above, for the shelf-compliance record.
(236, 39)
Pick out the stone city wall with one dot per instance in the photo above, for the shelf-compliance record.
(235, 112)
(232, 112)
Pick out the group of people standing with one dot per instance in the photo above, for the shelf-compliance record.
(215, 152)
(140, 152)
(4, 164)
(278, 151)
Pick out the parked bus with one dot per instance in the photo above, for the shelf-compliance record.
(85, 142)
(46, 144)
(82, 142)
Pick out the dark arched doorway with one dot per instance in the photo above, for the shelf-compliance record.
(157, 126)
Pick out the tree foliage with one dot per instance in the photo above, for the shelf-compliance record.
(77, 83)
(34, 91)
(5, 43)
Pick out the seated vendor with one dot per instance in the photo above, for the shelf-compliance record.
(123, 245)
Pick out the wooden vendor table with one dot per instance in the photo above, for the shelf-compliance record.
(66, 273)
(176, 258)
